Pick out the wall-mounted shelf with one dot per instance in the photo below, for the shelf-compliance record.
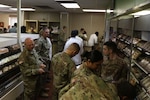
(137, 52)
(31, 24)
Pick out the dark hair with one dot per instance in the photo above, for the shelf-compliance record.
(126, 89)
(64, 27)
(15, 24)
(5, 30)
(84, 32)
(74, 33)
(45, 28)
(23, 29)
(111, 45)
(82, 29)
(96, 33)
(93, 56)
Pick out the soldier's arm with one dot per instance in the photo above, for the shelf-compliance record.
(125, 71)
(29, 70)
(39, 46)
(25, 68)
(40, 61)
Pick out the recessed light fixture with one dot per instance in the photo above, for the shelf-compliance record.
(63, 0)
(96, 10)
(23, 9)
(70, 5)
(4, 6)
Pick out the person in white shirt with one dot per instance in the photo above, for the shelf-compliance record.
(85, 42)
(75, 39)
(93, 40)
(79, 38)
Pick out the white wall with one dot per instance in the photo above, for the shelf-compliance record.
(91, 22)
(47, 16)
(4, 17)
(145, 36)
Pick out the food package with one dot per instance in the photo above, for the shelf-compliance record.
(144, 62)
(135, 54)
(5, 69)
(4, 50)
(15, 47)
(148, 68)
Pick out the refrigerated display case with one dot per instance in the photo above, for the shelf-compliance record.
(11, 85)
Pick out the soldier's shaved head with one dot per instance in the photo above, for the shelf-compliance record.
(73, 49)
(29, 44)
(74, 46)
(27, 40)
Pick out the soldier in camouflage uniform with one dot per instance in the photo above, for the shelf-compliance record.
(31, 67)
(62, 38)
(63, 68)
(44, 46)
(114, 70)
(86, 85)
(44, 49)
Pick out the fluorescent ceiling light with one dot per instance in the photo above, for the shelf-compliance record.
(140, 13)
(96, 10)
(4, 6)
(70, 5)
(23, 9)
(63, 0)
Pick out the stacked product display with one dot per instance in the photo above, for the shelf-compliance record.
(9, 67)
(140, 66)
(11, 84)
(124, 44)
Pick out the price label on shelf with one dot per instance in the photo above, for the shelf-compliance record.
(139, 48)
(121, 40)
(147, 53)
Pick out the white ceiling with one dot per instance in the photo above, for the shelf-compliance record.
(51, 5)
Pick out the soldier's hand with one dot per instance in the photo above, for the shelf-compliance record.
(42, 66)
(41, 71)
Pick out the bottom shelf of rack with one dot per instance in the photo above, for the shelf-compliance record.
(14, 92)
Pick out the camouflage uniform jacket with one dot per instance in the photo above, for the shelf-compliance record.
(86, 85)
(63, 68)
(29, 68)
(114, 70)
(61, 37)
(43, 47)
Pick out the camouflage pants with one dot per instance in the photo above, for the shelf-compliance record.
(54, 95)
(29, 94)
